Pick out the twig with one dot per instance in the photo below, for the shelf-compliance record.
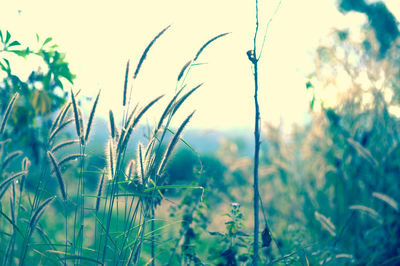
(254, 61)
(267, 27)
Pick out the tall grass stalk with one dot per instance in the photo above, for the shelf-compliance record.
(123, 209)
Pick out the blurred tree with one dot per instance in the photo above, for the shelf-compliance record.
(41, 91)
(380, 18)
(343, 167)
(350, 152)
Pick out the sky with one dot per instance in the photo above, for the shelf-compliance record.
(99, 37)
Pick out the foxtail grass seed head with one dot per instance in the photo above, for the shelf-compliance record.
(183, 69)
(76, 115)
(125, 84)
(99, 192)
(111, 157)
(64, 144)
(7, 112)
(112, 124)
(140, 165)
(26, 163)
(81, 127)
(70, 157)
(385, 198)
(130, 170)
(143, 57)
(208, 43)
(91, 117)
(25, 167)
(65, 113)
(58, 174)
(326, 223)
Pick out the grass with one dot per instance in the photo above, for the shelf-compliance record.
(328, 193)
(111, 224)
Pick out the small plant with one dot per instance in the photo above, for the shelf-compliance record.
(234, 245)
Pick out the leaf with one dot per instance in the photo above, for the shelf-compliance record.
(14, 43)
(1, 36)
(49, 39)
(8, 37)
(41, 102)
(23, 52)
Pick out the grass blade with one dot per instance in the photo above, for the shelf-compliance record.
(11, 157)
(172, 144)
(183, 98)
(39, 212)
(64, 144)
(5, 183)
(58, 129)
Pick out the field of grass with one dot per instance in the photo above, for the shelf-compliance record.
(135, 194)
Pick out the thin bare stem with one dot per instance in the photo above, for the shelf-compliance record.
(267, 27)
(254, 61)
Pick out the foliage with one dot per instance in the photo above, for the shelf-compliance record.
(235, 245)
(334, 183)
(41, 91)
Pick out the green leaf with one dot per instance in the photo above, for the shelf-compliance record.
(49, 39)
(22, 53)
(14, 43)
(3, 67)
(8, 68)
(1, 36)
(8, 37)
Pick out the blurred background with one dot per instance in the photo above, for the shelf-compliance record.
(99, 37)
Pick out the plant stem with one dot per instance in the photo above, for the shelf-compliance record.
(256, 163)
(253, 58)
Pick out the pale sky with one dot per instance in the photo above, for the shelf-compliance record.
(100, 36)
